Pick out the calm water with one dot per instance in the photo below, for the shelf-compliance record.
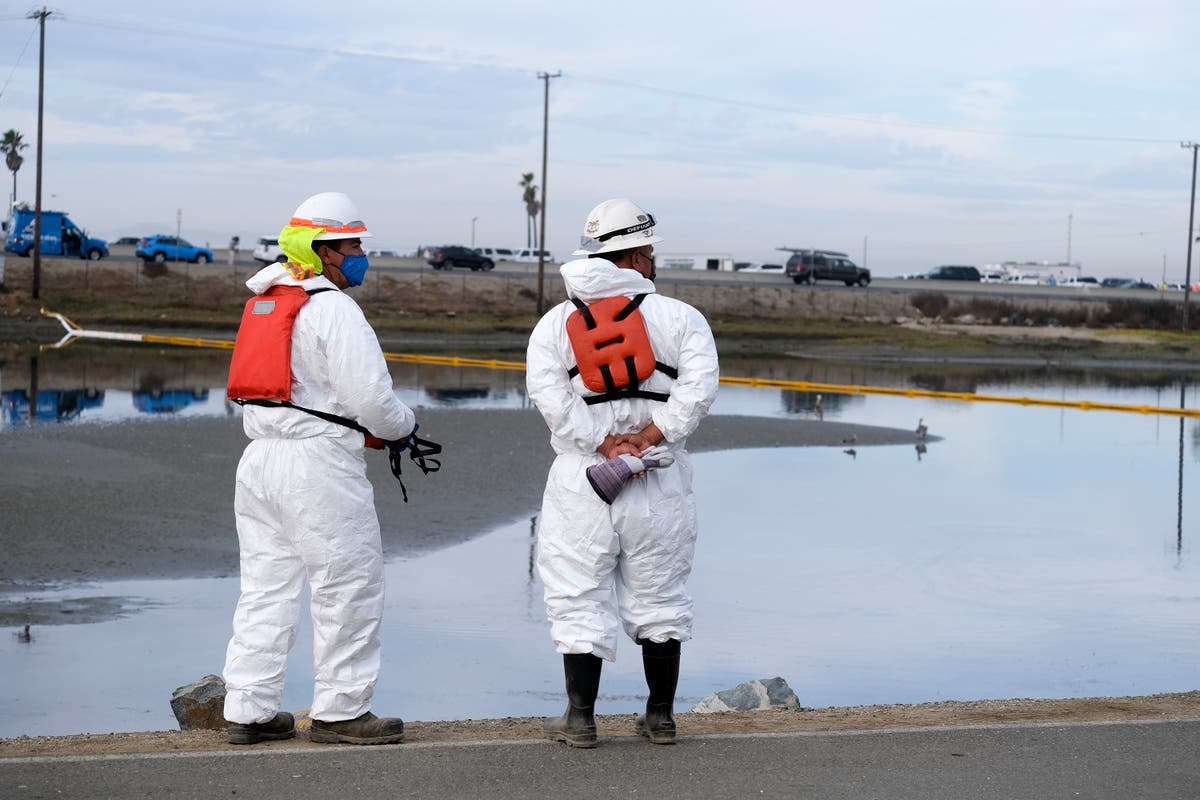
(1030, 553)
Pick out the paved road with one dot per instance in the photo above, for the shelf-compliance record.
(1142, 761)
(123, 256)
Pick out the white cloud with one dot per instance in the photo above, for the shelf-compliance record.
(744, 127)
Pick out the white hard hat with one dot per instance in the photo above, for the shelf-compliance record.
(333, 211)
(616, 225)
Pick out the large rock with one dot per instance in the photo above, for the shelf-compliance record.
(200, 705)
(755, 695)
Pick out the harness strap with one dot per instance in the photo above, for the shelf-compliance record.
(418, 449)
(622, 394)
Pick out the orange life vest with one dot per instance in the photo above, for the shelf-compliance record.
(612, 350)
(261, 368)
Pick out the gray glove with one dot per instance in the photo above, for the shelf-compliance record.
(609, 477)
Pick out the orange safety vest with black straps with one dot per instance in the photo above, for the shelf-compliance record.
(612, 350)
(261, 368)
(260, 373)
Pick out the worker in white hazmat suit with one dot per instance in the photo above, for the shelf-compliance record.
(618, 371)
(305, 509)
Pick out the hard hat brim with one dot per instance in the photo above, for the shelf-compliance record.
(326, 236)
(616, 243)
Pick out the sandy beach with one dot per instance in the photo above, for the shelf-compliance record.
(154, 498)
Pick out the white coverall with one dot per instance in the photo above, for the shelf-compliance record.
(642, 545)
(306, 511)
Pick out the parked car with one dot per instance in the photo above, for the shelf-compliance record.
(1080, 282)
(1114, 283)
(267, 251)
(531, 255)
(450, 256)
(954, 273)
(810, 266)
(160, 249)
(497, 253)
(1133, 284)
(382, 254)
(991, 277)
(127, 240)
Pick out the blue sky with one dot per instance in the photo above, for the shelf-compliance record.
(915, 134)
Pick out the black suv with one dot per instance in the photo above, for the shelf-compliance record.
(810, 266)
(452, 256)
(953, 273)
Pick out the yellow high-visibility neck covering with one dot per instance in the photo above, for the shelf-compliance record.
(296, 243)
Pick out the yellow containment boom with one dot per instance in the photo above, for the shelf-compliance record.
(75, 332)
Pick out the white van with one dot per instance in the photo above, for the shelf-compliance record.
(706, 261)
(531, 255)
(497, 253)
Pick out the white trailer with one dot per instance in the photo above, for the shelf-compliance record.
(708, 261)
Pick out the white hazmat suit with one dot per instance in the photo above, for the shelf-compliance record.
(641, 547)
(306, 511)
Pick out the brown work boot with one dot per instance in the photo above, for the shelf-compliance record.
(364, 729)
(281, 726)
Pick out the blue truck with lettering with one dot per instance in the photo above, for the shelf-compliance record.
(60, 236)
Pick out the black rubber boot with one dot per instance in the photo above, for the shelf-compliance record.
(577, 726)
(661, 663)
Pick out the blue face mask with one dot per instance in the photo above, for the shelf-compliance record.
(354, 268)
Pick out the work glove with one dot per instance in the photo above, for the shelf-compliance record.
(609, 477)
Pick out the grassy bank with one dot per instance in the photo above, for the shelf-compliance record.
(218, 314)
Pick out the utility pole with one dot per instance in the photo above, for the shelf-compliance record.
(1070, 219)
(1187, 281)
(40, 16)
(473, 232)
(541, 243)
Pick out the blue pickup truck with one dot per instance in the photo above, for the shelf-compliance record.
(60, 236)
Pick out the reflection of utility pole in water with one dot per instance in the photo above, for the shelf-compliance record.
(1179, 518)
(33, 389)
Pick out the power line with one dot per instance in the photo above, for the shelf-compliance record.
(32, 31)
(192, 34)
(867, 120)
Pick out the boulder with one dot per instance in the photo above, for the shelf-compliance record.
(200, 705)
(754, 695)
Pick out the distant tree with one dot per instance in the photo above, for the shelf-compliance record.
(532, 207)
(11, 145)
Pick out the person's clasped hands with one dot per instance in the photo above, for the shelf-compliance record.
(630, 461)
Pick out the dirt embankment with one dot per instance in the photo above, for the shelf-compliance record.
(817, 720)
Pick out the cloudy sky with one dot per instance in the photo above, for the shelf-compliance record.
(904, 134)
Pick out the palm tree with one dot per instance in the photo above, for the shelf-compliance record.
(11, 145)
(532, 207)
